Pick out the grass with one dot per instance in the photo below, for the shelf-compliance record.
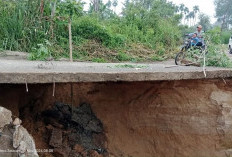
(158, 58)
(129, 66)
(99, 60)
(217, 56)
(94, 39)
(121, 56)
(128, 38)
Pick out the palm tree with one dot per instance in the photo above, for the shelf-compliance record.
(181, 9)
(109, 3)
(115, 4)
(190, 18)
(196, 11)
(204, 20)
(193, 15)
(186, 11)
(187, 17)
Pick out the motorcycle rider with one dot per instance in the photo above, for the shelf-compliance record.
(200, 34)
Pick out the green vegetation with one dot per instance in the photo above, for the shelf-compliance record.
(215, 52)
(129, 66)
(146, 30)
(216, 57)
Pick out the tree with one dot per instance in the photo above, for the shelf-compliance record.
(181, 9)
(109, 4)
(115, 4)
(147, 4)
(224, 12)
(196, 11)
(204, 20)
(70, 8)
(191, 17)
(103, 10)
(186, 11)
(96, 5)
(164, 9)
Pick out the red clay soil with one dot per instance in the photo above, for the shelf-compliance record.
(140, 119)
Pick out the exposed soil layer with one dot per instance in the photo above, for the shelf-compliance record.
(142, 119)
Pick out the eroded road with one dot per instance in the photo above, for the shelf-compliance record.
(21, 71)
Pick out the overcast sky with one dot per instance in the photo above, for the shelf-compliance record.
(206, 6)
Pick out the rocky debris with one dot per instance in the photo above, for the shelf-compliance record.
(23, 142)
(94, 153)
(56, 138)
(100, 141)
(14, 138)
(6, 141)
(75, 131)
(62, 151)
(6, 133)
(84, 117)
(5, 117)
(78, 148)
(74, 154)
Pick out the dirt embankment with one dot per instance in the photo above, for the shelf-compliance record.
(168, 118)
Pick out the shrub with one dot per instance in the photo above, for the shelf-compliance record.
(225, 36)
(216, 57)
(214, 35)
(167, 33)
(121, 56)
(41, 52)
(90, 28)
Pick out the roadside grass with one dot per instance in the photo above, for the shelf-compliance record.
(129, 66)
(99, 60)
(217, 56)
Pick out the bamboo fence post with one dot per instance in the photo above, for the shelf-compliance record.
(70, 40)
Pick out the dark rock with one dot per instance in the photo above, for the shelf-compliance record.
(100, 140)
(54, 122)
(49, 127)
(63, 108)
(87, 119)
(84, 154)
(94, 153)
(82, 127)
(94, 125)
(74, 138)
(56, 138)
(74, 154)
(62, 152)
(78, 148)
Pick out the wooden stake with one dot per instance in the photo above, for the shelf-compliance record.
(70, 39)
(41, 9)
(204, 65)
